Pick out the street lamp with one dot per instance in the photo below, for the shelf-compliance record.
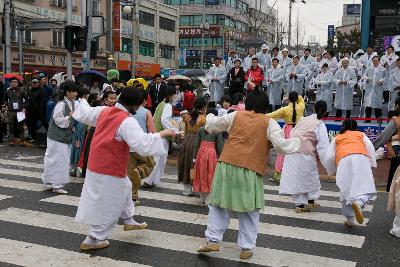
(130, 7)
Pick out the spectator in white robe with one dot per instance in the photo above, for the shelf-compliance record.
(285, 64)
(59, 140)
(388, 61)
(231, 61)
(264, 58)
(107, 191)
(217, 76)
(345, 79)
(351, 156)
(274, 77)
(352, 62)
(247, 61)
(300, 177)
(295, 75)
(329, 57)
(366, 59)
(309, 62)
(324, 84)
(394, 85)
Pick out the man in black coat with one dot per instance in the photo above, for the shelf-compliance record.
(235, 79)
(156, 92)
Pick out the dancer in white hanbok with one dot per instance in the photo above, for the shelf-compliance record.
(107, 191)
(351, 156)
(300, 177)
(217, 74)
(59, 139)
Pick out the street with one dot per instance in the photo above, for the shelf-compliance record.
(38, 228)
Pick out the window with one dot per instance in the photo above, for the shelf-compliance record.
(96, 8)
(196, 42)
(146, 49)
(146, 18)
(167, 24)
(26, 36)
(126, 45)
(167, 51)
(58, 38)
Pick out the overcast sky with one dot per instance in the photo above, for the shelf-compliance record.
(315, 15)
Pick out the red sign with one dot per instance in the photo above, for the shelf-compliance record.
(196, 32)
(117, 25)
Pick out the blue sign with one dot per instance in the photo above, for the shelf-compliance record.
(197, 53)
(212, 2)
(354, 9)
(182, 57)
(331, 32)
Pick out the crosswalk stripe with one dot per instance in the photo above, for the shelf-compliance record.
(21, 185)
(264, 228)
(37, 256)
(19, 163)
(181, 243)
(32, 174)
(2, 197)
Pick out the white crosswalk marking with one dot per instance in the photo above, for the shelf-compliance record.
(32, 255)
(21, 163)
(2, 197)
(262, 256)
(264, 228)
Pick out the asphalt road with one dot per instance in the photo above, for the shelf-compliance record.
(37, 227)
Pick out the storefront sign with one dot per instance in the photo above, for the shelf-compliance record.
(117, 26)
(226, 42)
(30, 11)
(197, 53)
(126, 29)
(196, 32)
(142, 69)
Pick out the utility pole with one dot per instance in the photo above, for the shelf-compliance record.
(202, 26)
(135, 37)
(7, 38)
(89, 14)
(290, 23)
(109, 33)
(20, 54)
(69, 53)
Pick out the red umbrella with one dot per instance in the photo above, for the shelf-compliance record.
(10, 75)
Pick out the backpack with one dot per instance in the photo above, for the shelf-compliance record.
(188, 100)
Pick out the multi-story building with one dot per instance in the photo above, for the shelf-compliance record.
(44, 50)
(351, 14)
(228, 29)
(158, 38)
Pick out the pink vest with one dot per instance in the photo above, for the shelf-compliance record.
(305, 130)
(107, 155)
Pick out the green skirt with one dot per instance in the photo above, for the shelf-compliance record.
(237, 189)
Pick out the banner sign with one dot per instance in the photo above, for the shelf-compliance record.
(116, 25)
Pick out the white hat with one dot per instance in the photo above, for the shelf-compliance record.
(264, 47)
(345, 59)
(285, 50)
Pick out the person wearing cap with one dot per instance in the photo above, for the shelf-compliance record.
(274, 77)
(285, 64)
(218, 76)
(394, 86)
(231, 61)
(264, 58)
(345, 79)
(309, 62)
(388, 60)
(295, 75)
(375, 77)
(247, 60)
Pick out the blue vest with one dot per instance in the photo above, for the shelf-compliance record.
(141, 117)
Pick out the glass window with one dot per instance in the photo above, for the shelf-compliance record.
(167, 24)
(146, 18)
(126, 45)
(167, 51)
(184, 42)
(58, 38)
(146, 49)
(26, 36)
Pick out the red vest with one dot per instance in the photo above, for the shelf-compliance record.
(107, 155)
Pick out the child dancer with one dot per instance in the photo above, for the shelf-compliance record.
(300, 176)
(292, 113)
(59, 140)
(162, 120)
(193, 122)
(238, 180)
(224, 105)
(207, 148)
(352, 156)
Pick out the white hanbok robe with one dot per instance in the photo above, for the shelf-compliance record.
(296, 84)
(373, 89)
(264, 60)
(394, 82)
(300, 171)
(285, 64)
(276, 75)
(104, 196)
(310, 64)
(354, 175)
(344, 92)
(56, 158)
(217, 87)
(391, 64)
(324, 82)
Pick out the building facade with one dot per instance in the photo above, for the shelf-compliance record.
(44, 50)
(158, 38)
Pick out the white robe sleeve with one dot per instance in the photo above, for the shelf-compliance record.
(352, 79)
(337, 78)
(322, 142)
(86, 114)
(58, 116)
(166, 118)
(143, 143)
(329, 158)
(216, 124)
(371, 151)
(276, 137)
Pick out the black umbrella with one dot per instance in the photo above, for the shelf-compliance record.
(86, 77)
(194, 72)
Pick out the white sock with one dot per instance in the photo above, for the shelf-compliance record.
(131, 221)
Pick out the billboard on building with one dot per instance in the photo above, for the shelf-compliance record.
(354, 9)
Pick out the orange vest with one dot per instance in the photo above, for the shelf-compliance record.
(348, 143)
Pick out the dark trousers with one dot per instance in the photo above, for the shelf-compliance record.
(386, 95)
(273, 108)
(32, 120)
(15, 127)
(339, 113)
(3, 131)
(368, 112)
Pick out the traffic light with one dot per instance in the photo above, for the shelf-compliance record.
(75, 38)
(93, 49)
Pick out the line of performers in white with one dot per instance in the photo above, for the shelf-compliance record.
(238, 182)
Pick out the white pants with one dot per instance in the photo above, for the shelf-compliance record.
(396, 226)
(302, 199)
(101, 232)
(218, 222)
(158, 171)
(347, 210)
